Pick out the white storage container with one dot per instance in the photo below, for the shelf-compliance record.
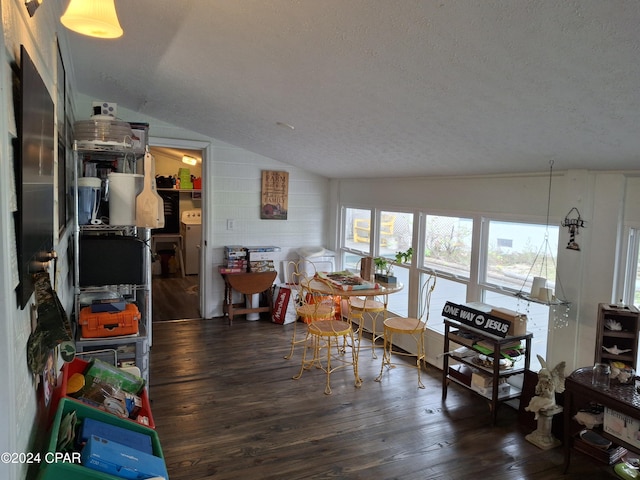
(316, 259)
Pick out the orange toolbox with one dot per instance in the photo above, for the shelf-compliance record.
(109, 324)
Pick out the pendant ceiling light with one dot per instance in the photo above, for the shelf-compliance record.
(95, 18)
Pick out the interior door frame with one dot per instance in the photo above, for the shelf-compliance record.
(205, 147)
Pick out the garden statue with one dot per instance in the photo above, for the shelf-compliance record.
(549, 382)
(543, 405)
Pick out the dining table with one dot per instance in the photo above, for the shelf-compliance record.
(347, 292)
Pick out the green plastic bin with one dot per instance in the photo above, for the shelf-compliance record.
(76, 471)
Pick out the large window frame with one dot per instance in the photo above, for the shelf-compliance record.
(629, 291)
(474, 284)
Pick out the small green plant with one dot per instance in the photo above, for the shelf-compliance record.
(404, 257)
(382, 265)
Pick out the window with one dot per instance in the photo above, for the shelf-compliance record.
(631, 294)
(357, 229)
(395, 233)
(475, 259)
(398, 303)
(447, 245)
(537, 320)
(447, 252)
(446, 291)
(510, 266)
(516, 252)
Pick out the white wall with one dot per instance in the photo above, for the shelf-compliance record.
(588, 277)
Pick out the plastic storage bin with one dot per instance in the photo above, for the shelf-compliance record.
(67, 470)
(316, 259)
(79, 366)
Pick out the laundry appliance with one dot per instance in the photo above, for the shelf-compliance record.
(191, 231)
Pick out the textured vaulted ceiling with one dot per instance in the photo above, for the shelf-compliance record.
(384, 87)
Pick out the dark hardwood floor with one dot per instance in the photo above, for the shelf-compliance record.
(175, 297)
(225, 407)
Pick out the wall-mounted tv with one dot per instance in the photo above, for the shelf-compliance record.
(34, 174)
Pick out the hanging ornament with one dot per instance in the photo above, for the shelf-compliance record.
(574, 224)
(540, 291)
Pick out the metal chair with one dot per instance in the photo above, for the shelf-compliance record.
(365, 311)
(324, 334)
(413, 328)
(308, 307)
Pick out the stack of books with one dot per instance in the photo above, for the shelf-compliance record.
(235, 259)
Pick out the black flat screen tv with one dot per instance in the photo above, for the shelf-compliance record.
(34, 174)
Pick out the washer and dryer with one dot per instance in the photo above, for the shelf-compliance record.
(191, 231)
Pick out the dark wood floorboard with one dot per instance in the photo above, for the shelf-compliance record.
(175, 297)
(225, 407)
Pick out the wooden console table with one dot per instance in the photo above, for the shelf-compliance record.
(622, 398)
(248, 283)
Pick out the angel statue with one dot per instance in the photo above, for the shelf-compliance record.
(549, 382)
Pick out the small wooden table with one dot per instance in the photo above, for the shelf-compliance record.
(247, 283)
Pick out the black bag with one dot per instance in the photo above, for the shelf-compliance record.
(164, 182)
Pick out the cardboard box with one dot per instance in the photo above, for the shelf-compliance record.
(114, 433)
(481, 380)
(518, 320)
(622, 426)
(257, 256)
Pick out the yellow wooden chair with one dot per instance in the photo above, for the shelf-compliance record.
(413, 328)
(309, 307)
(323, 338)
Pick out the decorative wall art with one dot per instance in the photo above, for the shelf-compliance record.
(274, 203)
(574, 224)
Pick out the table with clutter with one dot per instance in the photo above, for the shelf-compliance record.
(619, 411)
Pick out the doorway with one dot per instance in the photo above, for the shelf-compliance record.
(176, 248)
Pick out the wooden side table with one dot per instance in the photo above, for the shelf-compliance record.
(247, 283)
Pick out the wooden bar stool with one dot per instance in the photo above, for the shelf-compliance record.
(173, 238)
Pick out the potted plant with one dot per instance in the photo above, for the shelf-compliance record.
(384, 270)
(404, 257)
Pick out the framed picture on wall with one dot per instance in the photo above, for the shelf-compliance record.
(61, 123)
(274, 202)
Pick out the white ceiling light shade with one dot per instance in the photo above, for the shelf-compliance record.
(95, 18)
